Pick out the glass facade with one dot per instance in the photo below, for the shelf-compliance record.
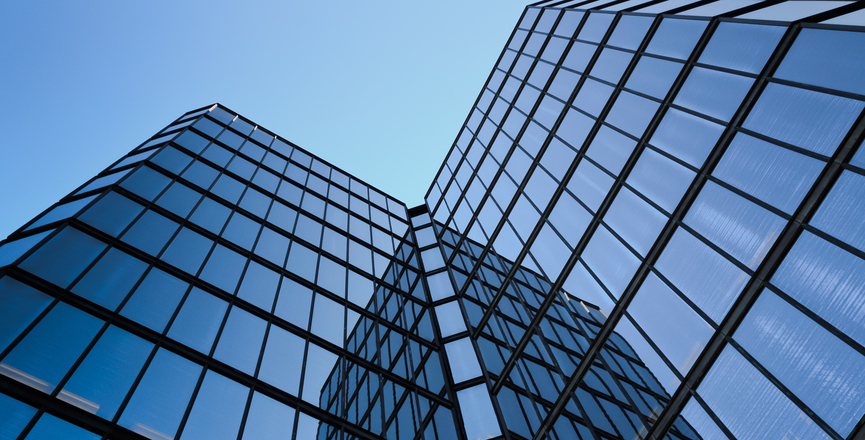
(650, 226)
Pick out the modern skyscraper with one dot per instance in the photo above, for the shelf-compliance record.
(650, 226)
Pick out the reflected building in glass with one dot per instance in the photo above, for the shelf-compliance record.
(650, 226)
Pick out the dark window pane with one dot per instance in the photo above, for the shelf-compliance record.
(155, 300)
(241, 230)
(187, 250)
(228, 188)
(179, 199)
(223, 268)
(211, 215)
(14, 416)
(64, 257)
(50, 428)
(172, 159)
(113, 276)
(201, 174)
(146, 182)
(21, 305)
(199, 320)
(150, 232)
(111, 214)
(101, 382)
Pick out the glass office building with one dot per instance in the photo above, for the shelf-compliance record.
(650, 226)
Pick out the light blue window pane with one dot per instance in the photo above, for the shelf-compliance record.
(632, 113)
(570, 219)
(654, 76)
(217, 409)
(595, 27)
(568, 23)
(268, 419)
(187, 250)
(328, 319)
(44, 356)
(259, 286)
(611, 64)
(440, 286)
(741, 46)
(293, 303)
(331, 276)
(101, 382)
(824, 372)
(104, 181)
(179, 199)
(242, 231)
(858, 160)
(699, 419)
(320, 363)
(240, 342)
(738, 226)
(630, 31)
(228, 188)
(160, 399)
(432, 259)
(146, 182)
(635, 220)
(611, 261)
(283, 217)
(749, 405)
(155, 300)
(308, 427)
(843, 211)
(150, 232)
(812, 120)
(64, 257)
(579, 55)
(550, 252)
(62, 212)
(826, 58)
(283, 360)
(713, 93)
(667, 380)
(218, 155)
(111, 214)
(14, 416)
(671, 324)
(272, 246)
(592, 97)
(611, 150)
(660, 179)
(223, 268)
(827, 280)
(773, 174)
(13, 250)
(582, 286)
(360, 289)
(450, 319)
(463, 360)
(483, 422)
(110, 280)
(21, 305)
(709, 280)
(302, 261)
(676, 38)
(198, 321)
(51, 428)
(686, 136)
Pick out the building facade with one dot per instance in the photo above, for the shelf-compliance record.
(650, 226)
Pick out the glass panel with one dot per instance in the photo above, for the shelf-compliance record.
(44, 356)
(259, 286)
(741, 46)
(749, 405)
(686, 136)
(483, 422)
(713, 93)
(630, 31)
(218, 409)
(159, 401)
(101, 382)
(463, 360)
(319, 366)
(21, 305)
(150, 232)
(660, 179)
(223, 268)
(110, 280)
(637, 222)
(14, 416)
(654, 76)
(826, 58)
(828, 281)
(328, 319)
(13, 250)
(815, 365)
(611, 261)
(766, 171)
(283, 360)
(155, 300)
(843, 209)
(590, 184)
(739, 227)
(632, 113)
(804, 118)
(699, 419)
(50, 428)
(676, 38)
(268, 419)
(111, 214)
(450, 319)
(146, 182)
(198, 321)
(240, 342)
(294, 303)
(64, 257)
(187, 250)
(611, 149)
(61, 212)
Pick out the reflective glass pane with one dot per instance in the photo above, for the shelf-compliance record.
(111, 214)
(741, 46)
(198, 321)
(676, 38)
(64, 257)
(150, 232)
(686, 136)
(110, 280)
(217, 409)
(187, 250)
(240, 341)
(50, 428)
(14, 416)
(282, 363)
(319, 366)
(843, 211)
(268, 419)
(713, 93)
(223, 268)
(259, 286)
(826, 58)
(154, 301)
(21, 305)
(463, 360)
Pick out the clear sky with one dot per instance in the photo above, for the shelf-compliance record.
(377, 88)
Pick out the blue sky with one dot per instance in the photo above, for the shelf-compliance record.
(379, 89)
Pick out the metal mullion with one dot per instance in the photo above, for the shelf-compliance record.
(596, 219)
(607, 328)
(773, 259)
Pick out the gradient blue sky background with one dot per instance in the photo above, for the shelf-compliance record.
(378, 88)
